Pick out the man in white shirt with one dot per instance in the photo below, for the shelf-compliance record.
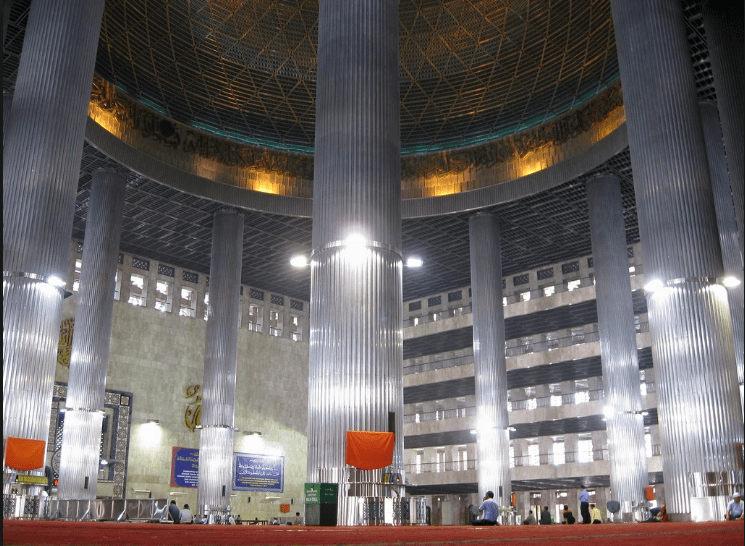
(186, 516)
(735, 507)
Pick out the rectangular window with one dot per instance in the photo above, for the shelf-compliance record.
(549, 291)
(117, 285)
(534, 458)
(440, 461)
(76, 277)
(512, 457)
(163, 296)
(275, 323)
(572, 285)
(555, 400)
(648, 444)
(525, 296)
(137, 290)
(255, 318)
(559, 453)
(419, 457)
(584, 449)
(296, 331)
(580, 397)
(206, 305)
(462, 459)
(188, 306)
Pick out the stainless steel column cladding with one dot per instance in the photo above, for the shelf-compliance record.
(691, 331)
(628, 460)
(725, 39)
(41, 164)
(490, 366)
(356, 301)
(89, 357)
(220, 362)
(727, 222)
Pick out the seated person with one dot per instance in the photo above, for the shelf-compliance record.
(238, 520)
(490, 510)
(174, 512)
(545, 516)
(735, 507)
(567, 515)
(186, 516)
(530, 520)
(595, 515)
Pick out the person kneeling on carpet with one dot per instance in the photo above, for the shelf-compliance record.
(545, 517)
(490, 510)
(735, 507)
(595, 515)
(530, 520)
(567, 515)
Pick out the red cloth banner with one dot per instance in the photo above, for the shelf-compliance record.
(23, 454)
(369, 450)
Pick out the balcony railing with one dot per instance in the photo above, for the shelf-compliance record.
(439, 415)
(542, 459)
(543, 292)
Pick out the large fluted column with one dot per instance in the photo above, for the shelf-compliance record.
(690, 327)
(89, 358)
(727, 223)
(490, 366)
(7, 103)
(725, 38)
(628, 460)
(220, 362)
(41, 164)
(356, 330)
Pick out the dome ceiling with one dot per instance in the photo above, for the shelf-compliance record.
(470, 70)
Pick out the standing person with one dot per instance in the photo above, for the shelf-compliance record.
(595, 514)
(185, 516)
(735, 507)
(530, 520)
(490, 510)
(584, 505)
(174, 512)
(545, 516)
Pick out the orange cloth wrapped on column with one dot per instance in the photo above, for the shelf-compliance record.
(23, 454)
(369, 450)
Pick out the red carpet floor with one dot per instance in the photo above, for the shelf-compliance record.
(126, 534)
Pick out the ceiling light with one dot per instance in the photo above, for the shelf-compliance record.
(414, 261)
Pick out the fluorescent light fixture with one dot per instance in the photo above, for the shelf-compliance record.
(252, 433)
(609, 412)
(155, 421)
(104, 462)
(653, 285)
(298, 261)
(730, 282)
(414, 261)
(55, 281)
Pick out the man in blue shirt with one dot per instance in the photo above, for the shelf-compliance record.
(584, 505)
(490, 510)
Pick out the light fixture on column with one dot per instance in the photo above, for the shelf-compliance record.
(414, 261)
(653, 285)
(298, 261)
(730, 281)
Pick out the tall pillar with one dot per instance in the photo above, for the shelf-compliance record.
(620, 365)
(725, 38)
(490, 366)
(220, 362)
(41, 164)
(89, 355)
(7, 103)
(356, 338)
(727, 222)
(690, 327)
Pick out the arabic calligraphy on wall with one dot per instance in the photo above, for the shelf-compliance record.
(65, 342)
(193, 413)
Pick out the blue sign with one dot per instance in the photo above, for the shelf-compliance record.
(184, 467)
(253, 472)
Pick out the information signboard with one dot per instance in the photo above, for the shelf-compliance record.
(254, 472)
(184, 467)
